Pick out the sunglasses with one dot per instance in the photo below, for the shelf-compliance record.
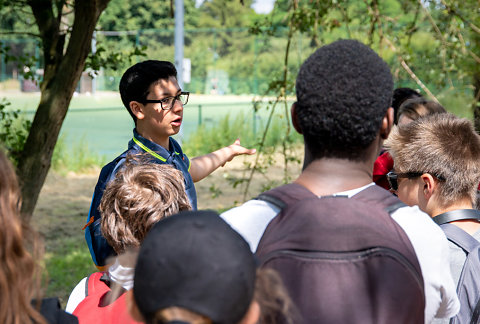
(393, 177)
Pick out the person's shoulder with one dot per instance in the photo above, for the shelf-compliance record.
(251, 219)
(249, 209)
(411, 218)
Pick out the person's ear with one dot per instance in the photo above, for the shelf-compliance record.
(132, 307)
(253, 314)
(137, 109)
(293, 112)
(429, 185)
(387, 123)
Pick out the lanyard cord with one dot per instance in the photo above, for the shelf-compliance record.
(149, 151)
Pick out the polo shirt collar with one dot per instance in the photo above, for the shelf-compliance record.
(160, 150)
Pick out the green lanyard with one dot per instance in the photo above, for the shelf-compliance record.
(152, 153)
(146, 149)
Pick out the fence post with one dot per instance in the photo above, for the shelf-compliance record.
(254, 110)
(199, 115)
(255, 65)
(2, 64)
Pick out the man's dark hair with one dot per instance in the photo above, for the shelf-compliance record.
(343, 92)
(138, 78)
(400, 95)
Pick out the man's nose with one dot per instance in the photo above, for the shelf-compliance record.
(177, 105)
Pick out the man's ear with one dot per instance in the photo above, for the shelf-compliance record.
(429, 185)
(387, 123)
(253, 314)
(132, 307)
(137, 109)
(293, 112)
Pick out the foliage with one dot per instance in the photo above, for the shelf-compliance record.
(14, 128)
(77, 158)
(209, 138)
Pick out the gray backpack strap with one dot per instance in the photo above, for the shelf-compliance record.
(476, 313)
(460, 237)
(470, 245)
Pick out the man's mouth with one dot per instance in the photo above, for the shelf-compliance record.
(177, 122)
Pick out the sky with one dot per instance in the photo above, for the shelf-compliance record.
(260, 6)
(263, 6)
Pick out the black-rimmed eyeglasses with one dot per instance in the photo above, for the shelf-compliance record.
(168, 102)
(393, 177)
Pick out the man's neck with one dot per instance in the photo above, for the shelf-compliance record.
(162, 141)
(468, 225)
(327, 176)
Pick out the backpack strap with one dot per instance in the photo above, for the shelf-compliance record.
(272, 200)
(460, 237)
(93, 281)
(455, 215)
(476, 313)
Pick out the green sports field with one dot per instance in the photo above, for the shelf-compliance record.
(103, 124)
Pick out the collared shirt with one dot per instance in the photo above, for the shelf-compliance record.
(97, 244)
(174, 156)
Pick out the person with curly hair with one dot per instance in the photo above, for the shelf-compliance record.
(140, 195)
(343, 110)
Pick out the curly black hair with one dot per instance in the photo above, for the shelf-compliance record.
(343, 92)
(138, 78)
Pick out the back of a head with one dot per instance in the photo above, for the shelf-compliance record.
(195, 261)
(138, 78)
(417, 107)
(400, 95)
(343, 92)
(140, 195)
(19, 279)
(442, 145)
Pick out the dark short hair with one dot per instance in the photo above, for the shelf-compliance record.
(343, 92)
(400, 95)
(138, 78)
(418, 107)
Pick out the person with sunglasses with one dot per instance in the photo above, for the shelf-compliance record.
(437, 168)
(152, 96)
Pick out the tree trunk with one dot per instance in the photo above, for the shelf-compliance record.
(62, 73)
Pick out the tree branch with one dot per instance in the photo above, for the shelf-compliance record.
(472, 54)
(409, 71)
(442, 38)
(19, 33)
(456, 13)
(43, 12)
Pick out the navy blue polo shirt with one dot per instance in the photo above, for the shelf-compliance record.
(97, 244)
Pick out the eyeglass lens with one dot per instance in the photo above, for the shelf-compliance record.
(183, 98)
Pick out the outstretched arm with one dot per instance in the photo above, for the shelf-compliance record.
(203, 165)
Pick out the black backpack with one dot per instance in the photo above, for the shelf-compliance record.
(343, 260)
(468, 287)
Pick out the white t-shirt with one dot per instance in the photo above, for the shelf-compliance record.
(117, 273)
(428, 240)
